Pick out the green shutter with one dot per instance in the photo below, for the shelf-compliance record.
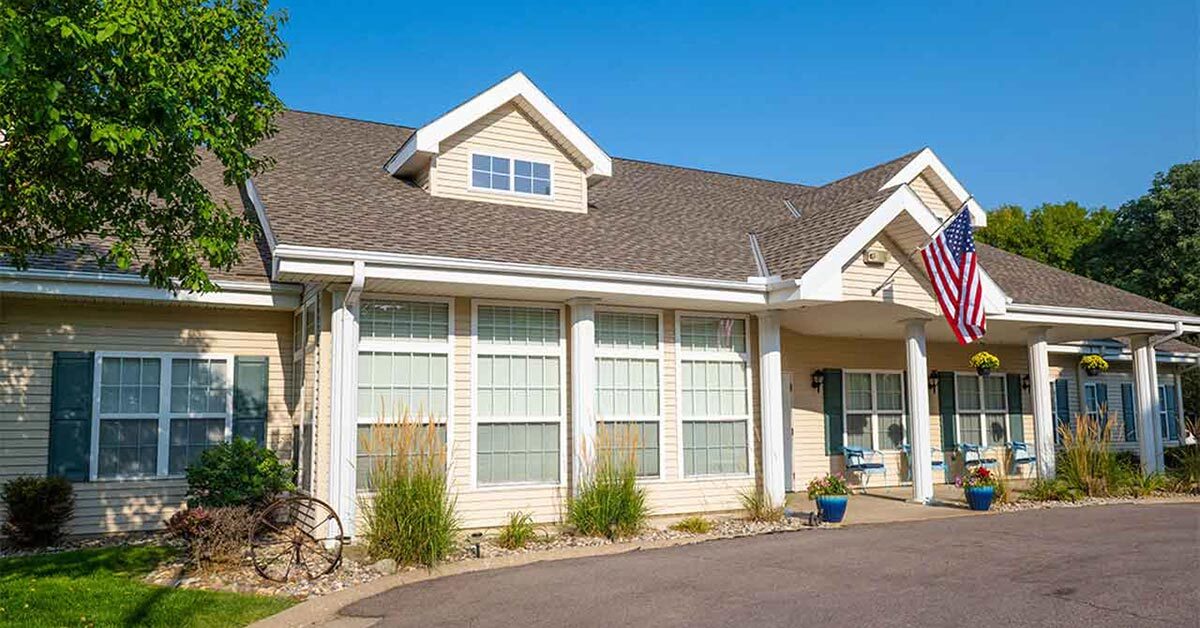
(833, 412)
(946, 409)
(71, 415)
(250, 398)
(1016, 413)
(1062, 405)
(1127, 413)
(1102, 404)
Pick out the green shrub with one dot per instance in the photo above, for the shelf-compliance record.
(410, 516)
(1183, 463)
(694, 524)
(38, 509)
(1041, 490)
(608, 501)
(759, 507)
(518, 532)
(237, 473)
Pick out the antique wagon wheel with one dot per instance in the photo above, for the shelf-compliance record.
(296, 538)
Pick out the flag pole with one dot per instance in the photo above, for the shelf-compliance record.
(929, 239)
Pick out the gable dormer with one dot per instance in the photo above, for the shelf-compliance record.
(509, 145)
(937, 187)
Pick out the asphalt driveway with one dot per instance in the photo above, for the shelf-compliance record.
(1095, 566)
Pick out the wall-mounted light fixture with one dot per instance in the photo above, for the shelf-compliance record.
(818, 378)
(933, 380)
(1025, 384)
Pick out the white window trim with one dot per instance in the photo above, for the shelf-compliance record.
(640, 354)
(982, 412)
(560, 352)
(415, 346)
(731, 356)
(875, 412)
(512, 168)
(164, 414)
(1163, 417)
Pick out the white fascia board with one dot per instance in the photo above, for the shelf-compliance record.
(927, 159)
(1122, 354)
(1191, 324)
(1131, 323)
(823, 281)
(261, 211)
(336, 263)
(125, 287)
(428, 138)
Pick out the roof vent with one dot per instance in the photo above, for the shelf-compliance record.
(791, 208)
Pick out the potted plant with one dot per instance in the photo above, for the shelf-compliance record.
(979, 484)
(831, 494)
(984, 363)
(1093, 365)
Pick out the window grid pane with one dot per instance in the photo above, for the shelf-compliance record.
(639, 440)
(514, 325)
(199, 386)
(490, 172)
(531, 177)
(712, 334)
(714, 388)
(891, 431)
(190, 437)
(518, 386)
(392, 385)
(994, 396)
(858, 430)
(518, 452)
(626, 388)
(969, 428)
(621, 330)
(968, 392)
(378, 446)
(129, 385)
(403, 320)
(889, 393)
(858, 391)
(128, 447)
(714, 447)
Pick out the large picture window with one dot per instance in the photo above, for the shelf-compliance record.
(628, 389)
(982, 409)
(404, 373)
(157, 413)
(714, 390)
(874, 410)
(519, 394)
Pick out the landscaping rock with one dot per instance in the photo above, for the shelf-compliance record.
(385, 566)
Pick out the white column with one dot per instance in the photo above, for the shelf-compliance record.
(920, 459)
(1146, 398)
(1043, 403)
(770, 378)
(343, 441)
(1160, 437)
(583, 385)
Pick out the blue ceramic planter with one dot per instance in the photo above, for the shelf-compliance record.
(980, 497)
(832, 508)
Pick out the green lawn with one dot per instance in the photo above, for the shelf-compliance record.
(103, 587)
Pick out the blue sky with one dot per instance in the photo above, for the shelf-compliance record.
(1027, 102)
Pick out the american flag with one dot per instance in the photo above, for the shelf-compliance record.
(953, 268)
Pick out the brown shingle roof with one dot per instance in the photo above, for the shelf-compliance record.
(1034, 283)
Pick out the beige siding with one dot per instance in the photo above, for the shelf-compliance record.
(1066, 366)
(507, 132)
(33, 329)
(925, 187)
(804, 354)
(903, 288)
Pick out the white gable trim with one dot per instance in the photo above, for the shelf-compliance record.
(823, 281)
(926, 159)
(425, 141)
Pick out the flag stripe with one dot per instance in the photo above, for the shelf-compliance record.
(953, 268)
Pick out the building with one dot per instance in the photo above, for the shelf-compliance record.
(497, 268)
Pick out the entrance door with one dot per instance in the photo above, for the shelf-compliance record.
(787, 432)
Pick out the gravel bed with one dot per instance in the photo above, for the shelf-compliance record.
(1087, 501)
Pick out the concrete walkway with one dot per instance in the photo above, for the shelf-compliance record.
(890, 504)
(1124, 565)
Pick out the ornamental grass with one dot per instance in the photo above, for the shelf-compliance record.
(608, 501)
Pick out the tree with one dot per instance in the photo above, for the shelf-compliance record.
(1052, 233)
(1153, 246)
(106, 109)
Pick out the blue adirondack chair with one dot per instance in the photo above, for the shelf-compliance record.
(864, 462)
(977, 456)
(937, 464)
(1021, 454)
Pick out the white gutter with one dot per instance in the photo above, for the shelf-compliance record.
(98, 285)
(1112, 314)
(1171, 336)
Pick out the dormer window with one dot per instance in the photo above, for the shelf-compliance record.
(503, 174)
